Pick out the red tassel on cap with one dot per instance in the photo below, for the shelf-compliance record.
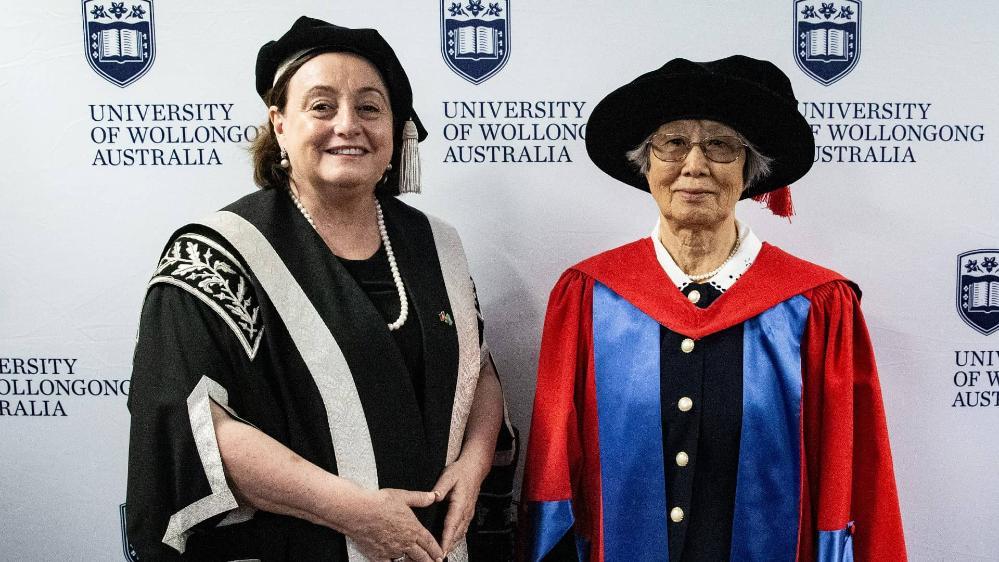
(778, 201)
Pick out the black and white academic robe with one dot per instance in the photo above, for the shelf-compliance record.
(251, 310)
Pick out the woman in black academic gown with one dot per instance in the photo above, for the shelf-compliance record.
(310, 380)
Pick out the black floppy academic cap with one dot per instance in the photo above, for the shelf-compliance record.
(751, 96)
(310, 36)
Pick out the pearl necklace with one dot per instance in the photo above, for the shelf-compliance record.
(396, 277)
(705, 276)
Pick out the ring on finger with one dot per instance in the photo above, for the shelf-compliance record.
(399, 558)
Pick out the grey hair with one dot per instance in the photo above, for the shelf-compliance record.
(757, 166)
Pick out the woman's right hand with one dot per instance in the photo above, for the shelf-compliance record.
(386, 528)
(265, 474)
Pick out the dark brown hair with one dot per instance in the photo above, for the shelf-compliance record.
(266, 152)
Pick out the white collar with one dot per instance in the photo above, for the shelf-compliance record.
(724, 279)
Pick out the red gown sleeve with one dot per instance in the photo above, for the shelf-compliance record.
(849, 498)
(561, 475)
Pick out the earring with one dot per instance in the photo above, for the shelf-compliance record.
(385, 175)
(284, 159)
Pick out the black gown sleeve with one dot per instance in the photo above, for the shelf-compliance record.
(491, 534)
(187, 354)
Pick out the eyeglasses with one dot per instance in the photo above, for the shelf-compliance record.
(674, 148)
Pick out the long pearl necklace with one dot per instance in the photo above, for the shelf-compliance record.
(705, 276)
(399, 287)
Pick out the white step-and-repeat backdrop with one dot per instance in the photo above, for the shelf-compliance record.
(124, 120)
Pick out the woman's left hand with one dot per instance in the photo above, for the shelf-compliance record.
(459, 485)
(460, 481)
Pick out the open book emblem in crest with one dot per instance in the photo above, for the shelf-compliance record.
(118, 38)
(827, 38)
(475, 37)
(978, 289)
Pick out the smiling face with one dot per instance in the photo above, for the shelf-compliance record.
(336, 124)
(696, 192)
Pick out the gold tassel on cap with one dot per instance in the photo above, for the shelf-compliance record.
(409, 162)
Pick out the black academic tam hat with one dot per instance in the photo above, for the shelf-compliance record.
(310, 36)
(751, 96)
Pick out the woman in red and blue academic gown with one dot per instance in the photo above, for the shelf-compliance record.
(703, 395)
(310, 380)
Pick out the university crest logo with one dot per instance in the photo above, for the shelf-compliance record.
(827, 38)
(475, 37)
(130, 554)
(978, 289)
(119, 39)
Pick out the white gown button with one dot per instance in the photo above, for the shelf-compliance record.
(682, 459)
(685, 404)
(687, 345)
(676, 514)
(694, 296)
